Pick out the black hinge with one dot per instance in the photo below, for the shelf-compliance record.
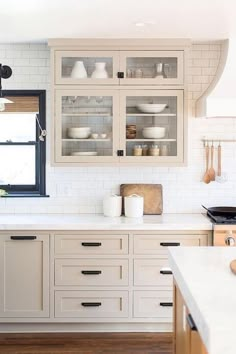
(120, 152)
(120, 75)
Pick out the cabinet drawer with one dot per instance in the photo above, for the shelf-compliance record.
(97, 304)
(153, 304)
(152, 272)
(157, 244)
(89, 244)
(91, 272)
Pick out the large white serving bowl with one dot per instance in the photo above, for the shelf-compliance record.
(151, 107)
(154, 132)
(79, 133)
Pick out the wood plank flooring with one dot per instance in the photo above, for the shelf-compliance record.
(86, 343)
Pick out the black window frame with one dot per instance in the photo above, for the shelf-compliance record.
(39, 188)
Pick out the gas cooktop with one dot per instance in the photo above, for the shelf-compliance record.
(226, 219)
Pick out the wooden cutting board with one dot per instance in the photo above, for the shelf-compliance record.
(152, 194)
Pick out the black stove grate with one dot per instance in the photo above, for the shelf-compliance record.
(226, 219)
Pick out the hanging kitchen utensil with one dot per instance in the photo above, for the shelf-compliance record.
(206, 177)
(220, 177)
(211, 171)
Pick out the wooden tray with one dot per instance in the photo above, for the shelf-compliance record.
(152, 194)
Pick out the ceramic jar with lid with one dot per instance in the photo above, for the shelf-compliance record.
(112, 205)
(134, 206)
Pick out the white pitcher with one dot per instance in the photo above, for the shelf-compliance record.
(100, 71)
(79, 71)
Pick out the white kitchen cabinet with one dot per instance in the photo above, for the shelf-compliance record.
(138, 72)
(24, 275)
(110, 112)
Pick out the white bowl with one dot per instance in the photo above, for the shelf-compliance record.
(151, 107)
(79, 133)
(94, 135)
(84, 153)
(154, 132)
(103, 135)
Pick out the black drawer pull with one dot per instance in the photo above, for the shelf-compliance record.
(191, 323)
(23, 237)
(166, 272)
(91, 304)
(91, 244)
(91, 271)
(166, 244)
(166, 304)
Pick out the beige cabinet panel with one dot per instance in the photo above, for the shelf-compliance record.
(158, 244)
(24, 276)
(89, 244)
(91, 272)
(153, 304)
(85, 304)
(152, 272)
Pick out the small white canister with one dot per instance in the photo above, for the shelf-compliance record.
(134, 206)
(112, 205)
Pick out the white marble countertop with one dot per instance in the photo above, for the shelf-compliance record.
(209, 289)
(100, 222)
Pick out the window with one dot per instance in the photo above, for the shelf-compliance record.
(22, 143)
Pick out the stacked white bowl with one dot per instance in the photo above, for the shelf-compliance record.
(154, 132)
(79, 133)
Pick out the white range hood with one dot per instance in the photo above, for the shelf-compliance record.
(219, 100)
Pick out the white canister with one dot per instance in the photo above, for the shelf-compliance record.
(112, 205)
(134, 206)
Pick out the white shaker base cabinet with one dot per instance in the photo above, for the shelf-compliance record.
(24, 275)
(89, 280)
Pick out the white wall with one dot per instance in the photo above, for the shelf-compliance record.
(81, 189)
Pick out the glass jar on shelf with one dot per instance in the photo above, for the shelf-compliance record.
(154, 150)
(137, 150)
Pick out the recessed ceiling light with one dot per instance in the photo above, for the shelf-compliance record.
(140, 24)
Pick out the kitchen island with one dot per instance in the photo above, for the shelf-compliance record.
(208, 287)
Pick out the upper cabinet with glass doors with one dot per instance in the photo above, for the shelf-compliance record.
(119, 101)
(119, 67)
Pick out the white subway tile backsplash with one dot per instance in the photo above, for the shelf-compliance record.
(81, 189)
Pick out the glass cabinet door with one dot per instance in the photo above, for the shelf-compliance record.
(152, 67)
(86, 126)
(86, 67)
(153, 129)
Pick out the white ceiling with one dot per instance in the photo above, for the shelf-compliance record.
(38, 20)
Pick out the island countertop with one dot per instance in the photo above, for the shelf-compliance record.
(208, 287)
(100, 222)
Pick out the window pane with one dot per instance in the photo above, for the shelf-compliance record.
(17, 165)
(17, 127)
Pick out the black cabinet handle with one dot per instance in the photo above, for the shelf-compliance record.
(166, 304)
(166, 272)
(91, 244)
(166, 244)
(91, 304)
(91, 271)
(191, 323)
(120, 75)
(23, 237)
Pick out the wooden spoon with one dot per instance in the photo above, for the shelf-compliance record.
(211, 170)
(233, 266)
(219, 160)
(206, 177)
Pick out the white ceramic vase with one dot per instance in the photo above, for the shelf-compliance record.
(100, 71)
(134, 206)
(79, 71)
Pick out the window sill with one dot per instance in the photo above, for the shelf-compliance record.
(25, 195)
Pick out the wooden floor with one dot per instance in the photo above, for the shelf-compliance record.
(86, 343)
